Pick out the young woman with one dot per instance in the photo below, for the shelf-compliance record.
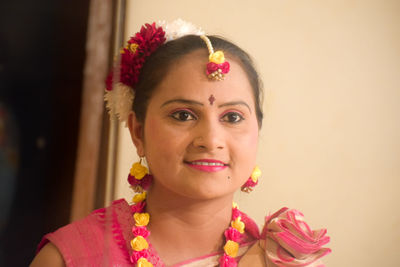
(193, 107)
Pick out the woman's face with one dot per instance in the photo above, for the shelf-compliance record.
(200, 136)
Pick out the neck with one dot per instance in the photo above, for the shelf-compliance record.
(187, 210)
(186, 223)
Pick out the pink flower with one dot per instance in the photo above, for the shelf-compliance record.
(289, 241)
(236, 213)
(145, 182)
(232, 234)
(132, 180)
(212, 67)
(138, 207)
(227, 261)
(136, 255)
(140, 230)
(250, 183)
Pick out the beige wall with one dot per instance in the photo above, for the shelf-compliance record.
(330, 144)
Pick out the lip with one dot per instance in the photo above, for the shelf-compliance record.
(207, 165)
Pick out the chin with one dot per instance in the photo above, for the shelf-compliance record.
(205, 192)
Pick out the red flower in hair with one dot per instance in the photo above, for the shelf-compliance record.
(133, 56)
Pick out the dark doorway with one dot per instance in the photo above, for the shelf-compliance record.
(42, 52)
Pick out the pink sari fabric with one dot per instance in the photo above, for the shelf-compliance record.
(289, 241)
(96, 240)
(103, 239)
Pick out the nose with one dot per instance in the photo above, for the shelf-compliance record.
(209, 135)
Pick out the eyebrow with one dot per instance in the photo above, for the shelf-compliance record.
(235, 103)
(183, 101)
(193, 102)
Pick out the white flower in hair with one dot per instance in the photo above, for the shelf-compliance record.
(179, 28)
(119, 101)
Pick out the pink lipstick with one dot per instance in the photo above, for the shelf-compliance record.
(207, 165)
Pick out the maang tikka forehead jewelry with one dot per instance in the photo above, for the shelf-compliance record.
(217, 67)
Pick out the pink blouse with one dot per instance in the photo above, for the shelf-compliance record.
(103, 239)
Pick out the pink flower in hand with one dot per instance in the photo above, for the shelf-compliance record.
(289, 241)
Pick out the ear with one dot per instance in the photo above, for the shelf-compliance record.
(136, 129)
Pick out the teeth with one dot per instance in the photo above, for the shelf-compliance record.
(207, 163)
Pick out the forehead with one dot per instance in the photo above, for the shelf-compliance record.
(187, 78)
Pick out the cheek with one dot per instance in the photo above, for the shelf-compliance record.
(249, 138)
(154, 134)
(160, 140)
(253, 138)
(247, 146)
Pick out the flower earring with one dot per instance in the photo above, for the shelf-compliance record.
(139, 178)
(252, 181)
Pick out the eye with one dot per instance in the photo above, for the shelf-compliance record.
(183, 115)
(232, 117)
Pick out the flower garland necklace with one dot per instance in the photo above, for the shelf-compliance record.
(140, 180)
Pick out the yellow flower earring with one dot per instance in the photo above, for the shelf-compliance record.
(252, 181)
(139, 179)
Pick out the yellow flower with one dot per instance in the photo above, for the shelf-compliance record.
(217, 57)
(142, 262)
(231, 248)
(235, 205)
(238, 225)
(138, 170)
(139, 243)
(133, 47)
(255, 174)
(139, 197)
(141, 219)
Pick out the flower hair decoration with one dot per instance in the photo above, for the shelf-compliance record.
(121, 82)
(217, 67)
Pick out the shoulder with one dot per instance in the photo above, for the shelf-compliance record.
(82, 241)
(287, 240)
(48, 256)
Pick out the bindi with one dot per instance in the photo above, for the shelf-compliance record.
(211, 99)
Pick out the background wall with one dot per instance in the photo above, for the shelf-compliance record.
(330, 144)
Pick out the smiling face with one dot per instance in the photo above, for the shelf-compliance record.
(200, 136)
